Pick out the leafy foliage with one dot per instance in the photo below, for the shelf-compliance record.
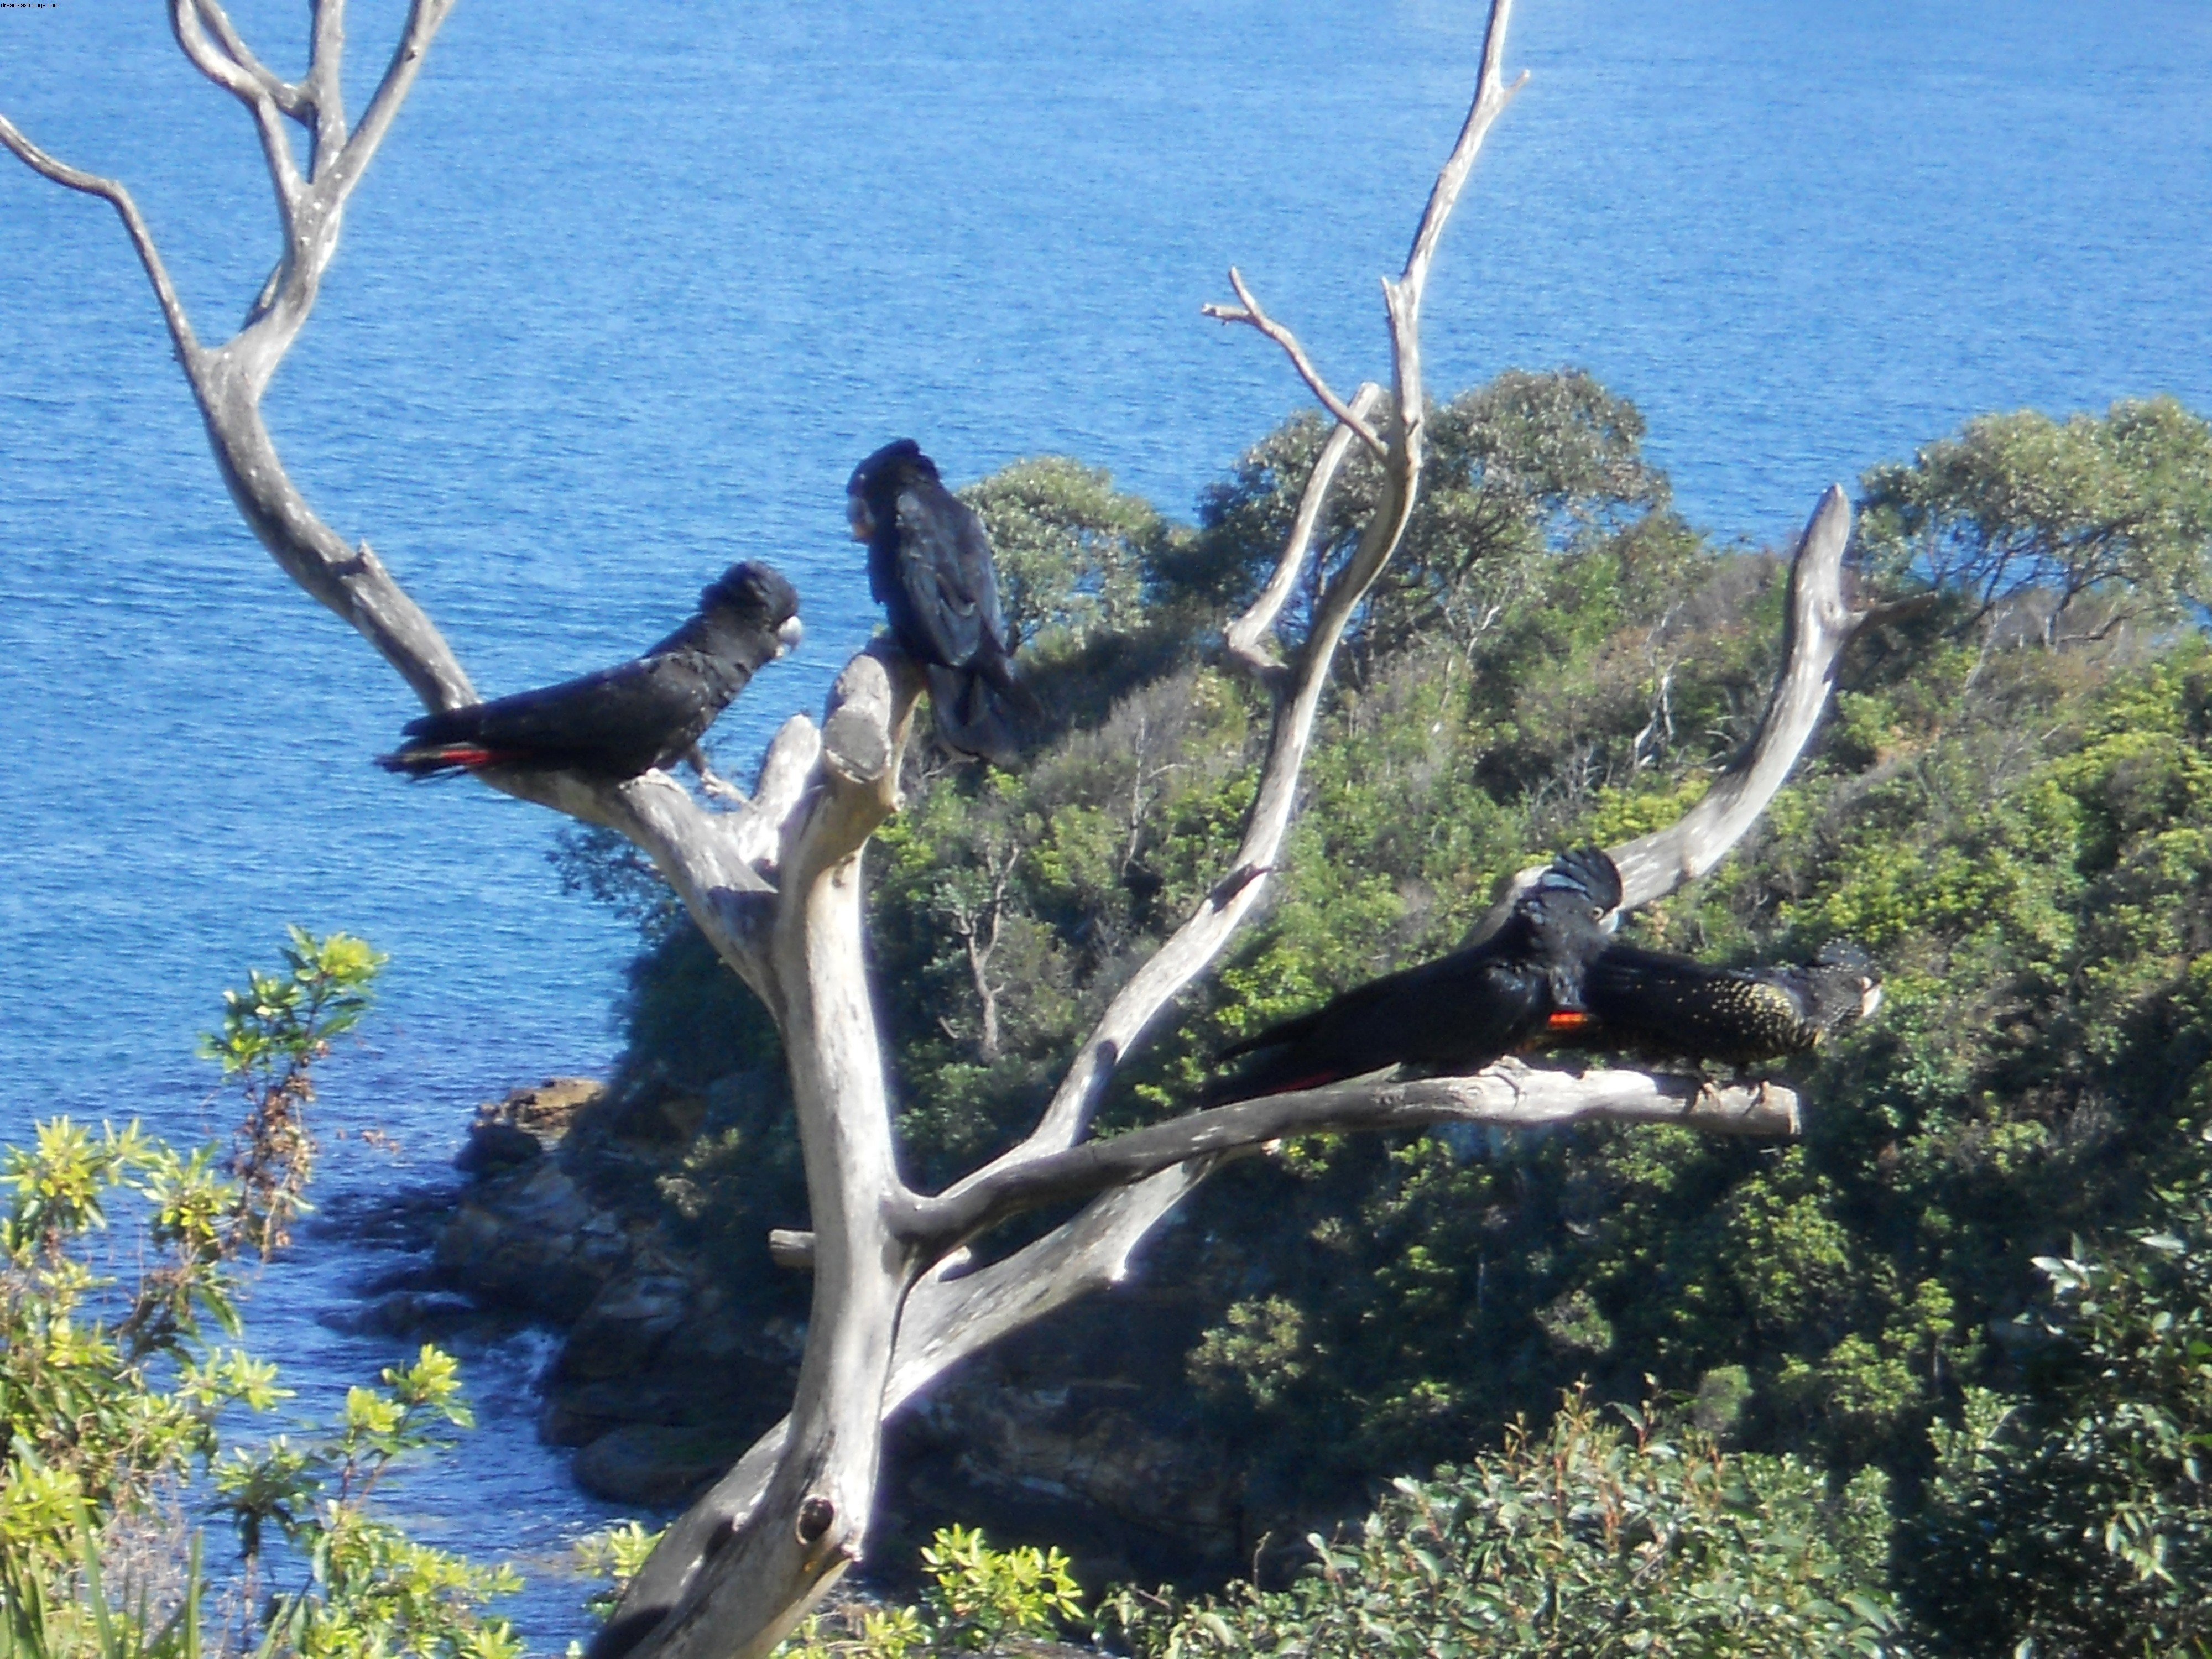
(977, 1598)
(273, 1031)
(1071, 550)
(2020, 504)
(2076, 1518)
(1593, 1537)
(111, 1390)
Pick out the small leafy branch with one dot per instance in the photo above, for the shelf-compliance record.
(273, 1033)
(111, 1390)
(370, 1588)
(978, 1597)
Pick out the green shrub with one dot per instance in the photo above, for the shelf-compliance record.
(1596, 1536)
(2074, 1519)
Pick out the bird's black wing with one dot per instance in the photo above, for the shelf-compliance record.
(951, 588)
(620, 720)
(1453, 1015)
(1672, 1004)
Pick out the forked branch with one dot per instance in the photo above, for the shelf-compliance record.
(1199, 940)
(141, 238)
(1248, 310)
(1818, 624)
(235, 68)
(237, 71)
(1247, 637)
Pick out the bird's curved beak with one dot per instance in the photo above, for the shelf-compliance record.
(1869, 999)
(789, 636)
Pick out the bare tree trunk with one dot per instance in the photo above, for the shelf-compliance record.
(775, 886)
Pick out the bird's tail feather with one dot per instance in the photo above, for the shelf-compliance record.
(971, 717)
(442, 760)
(999, 672)
(1283, 1031)
(1257, 1084)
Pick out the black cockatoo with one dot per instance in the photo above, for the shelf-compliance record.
(621, 721)
(929, 567)
(1456, 1014)
(1655, 1003)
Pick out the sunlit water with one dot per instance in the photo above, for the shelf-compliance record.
(631, 287)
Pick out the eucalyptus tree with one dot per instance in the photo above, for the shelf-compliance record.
(907, 1283)
(2021, 507)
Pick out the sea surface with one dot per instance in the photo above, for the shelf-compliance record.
(630, 287)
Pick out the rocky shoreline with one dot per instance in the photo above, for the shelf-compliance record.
(670, 1364)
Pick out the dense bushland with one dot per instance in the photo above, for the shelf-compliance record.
(2011, 806)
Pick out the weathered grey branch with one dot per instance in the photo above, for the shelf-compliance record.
(324, 83)
(1247, 637)
(1510, 1093)
(1491, 97)
(743, 1599)
(1250, 311)
(1199, 940)
(227, 381)
(1819, 624)
(294, 101)
(141, 238)
(255, 87)
(425, 18)
(1817, 627)
(785, 771)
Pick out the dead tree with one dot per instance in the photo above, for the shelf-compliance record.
(904, 1284)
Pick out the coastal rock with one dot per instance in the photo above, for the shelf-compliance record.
(1084, 1443)
(432, 1317)
(655, 1467)
(530, 1241)
(622, 1333)
(577, 1413)
(494, 1146)
(546, 1111)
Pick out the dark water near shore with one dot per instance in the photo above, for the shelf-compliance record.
(631, 287)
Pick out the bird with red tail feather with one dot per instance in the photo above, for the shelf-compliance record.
(1452, 1016)
(624, 720)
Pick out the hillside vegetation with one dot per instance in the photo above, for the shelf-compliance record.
(2010, 806)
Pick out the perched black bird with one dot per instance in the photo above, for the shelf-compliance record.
(1456, 1014)
(1655, 1003)
(623, 720)
(929, 567)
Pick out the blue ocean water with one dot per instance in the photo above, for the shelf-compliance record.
(631, 286)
